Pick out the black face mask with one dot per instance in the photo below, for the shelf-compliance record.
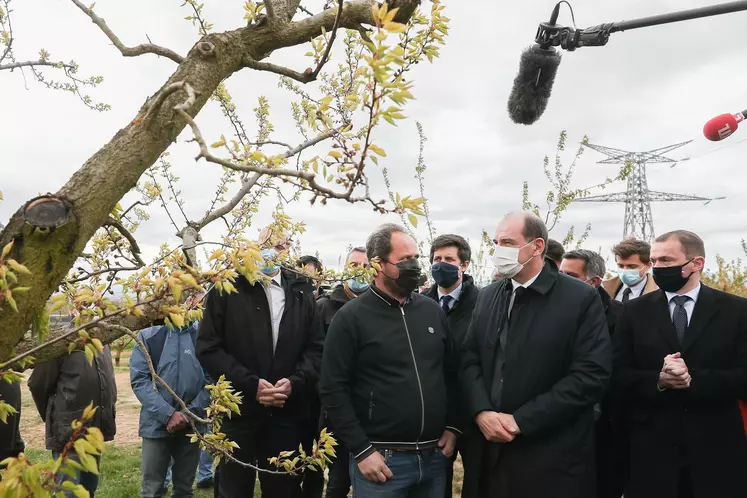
(409, 274)
(445, 274)
(670, 278)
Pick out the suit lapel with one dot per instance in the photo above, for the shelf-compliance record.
(663, 320)
(705, 309)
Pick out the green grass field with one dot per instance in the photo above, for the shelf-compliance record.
(120, 472)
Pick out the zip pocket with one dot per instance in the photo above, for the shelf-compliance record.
(370, 406)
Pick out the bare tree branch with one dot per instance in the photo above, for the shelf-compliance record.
(306, 76)
(302, 175)
(270, 8)
(251, 181)
(328, 50)
(127, 235)
(145, 48)
(40, 62)
(67, 334)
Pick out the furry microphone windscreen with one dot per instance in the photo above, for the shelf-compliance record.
(533, 84)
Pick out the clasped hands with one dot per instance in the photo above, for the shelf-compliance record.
(273, 396)
(497, 427)
(674, 373)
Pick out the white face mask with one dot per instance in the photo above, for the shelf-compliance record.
(506, 260)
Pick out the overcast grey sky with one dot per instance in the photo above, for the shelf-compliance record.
(646, 89)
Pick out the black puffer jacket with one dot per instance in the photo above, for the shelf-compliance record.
(388, 373)
(63, 388)
(460, 314)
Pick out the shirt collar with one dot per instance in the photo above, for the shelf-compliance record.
(693, 294)
(454, 294)
(276, 278)
(527, 283)
(637, 287)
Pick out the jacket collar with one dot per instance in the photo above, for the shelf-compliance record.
(546, 278)
(605, 297)
(338, 295)
(386, 298)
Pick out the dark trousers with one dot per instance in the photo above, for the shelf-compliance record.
(11, 443)
(339, 474)
(612, 457)
(313, 481)
(685, 485)
(157, 455)
(88, 480)
(258, 442)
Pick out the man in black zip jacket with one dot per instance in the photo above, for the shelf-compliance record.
(457, 293)
(267, 339)
(389, 378)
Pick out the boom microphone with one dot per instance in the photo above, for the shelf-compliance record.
(533, 85)
(539, 63)
(723, 126)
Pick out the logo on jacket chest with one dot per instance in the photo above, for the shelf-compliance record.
(431, 331)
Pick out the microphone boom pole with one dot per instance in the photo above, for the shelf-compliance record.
(596, 36)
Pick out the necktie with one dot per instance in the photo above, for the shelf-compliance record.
(446, 303)
(679, 317)
(626, 294)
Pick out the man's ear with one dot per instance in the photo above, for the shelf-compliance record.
(701, 263)
(466, 266)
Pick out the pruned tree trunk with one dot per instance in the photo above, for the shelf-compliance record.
(93, 191)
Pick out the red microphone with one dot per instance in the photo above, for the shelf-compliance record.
(723, 126)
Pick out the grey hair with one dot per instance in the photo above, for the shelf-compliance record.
(593, 263)
(379, 243)
(360, 249)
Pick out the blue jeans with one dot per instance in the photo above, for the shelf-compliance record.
(88, 480)
(204, 470)
(414, 475)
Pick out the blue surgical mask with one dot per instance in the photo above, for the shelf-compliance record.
(269, 267)
(630, 277)
(356, 286)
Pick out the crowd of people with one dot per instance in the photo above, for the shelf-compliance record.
(550, 382)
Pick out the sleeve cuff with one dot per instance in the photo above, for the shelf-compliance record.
(362, 455)
(454, 430)
(165, 418)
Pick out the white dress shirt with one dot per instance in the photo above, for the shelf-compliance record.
(689, 304)
(635, 291)
(454, 295)
(276, 299)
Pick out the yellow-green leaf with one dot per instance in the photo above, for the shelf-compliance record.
(413, 220)
(377, 150)
(335, 154)
(7, 249)
(18, 267)
(219, 143)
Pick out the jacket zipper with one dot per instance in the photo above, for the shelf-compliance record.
(370, 406)
(417, 375)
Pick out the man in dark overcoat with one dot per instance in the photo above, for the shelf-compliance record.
(680, 366)
(536, 359)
